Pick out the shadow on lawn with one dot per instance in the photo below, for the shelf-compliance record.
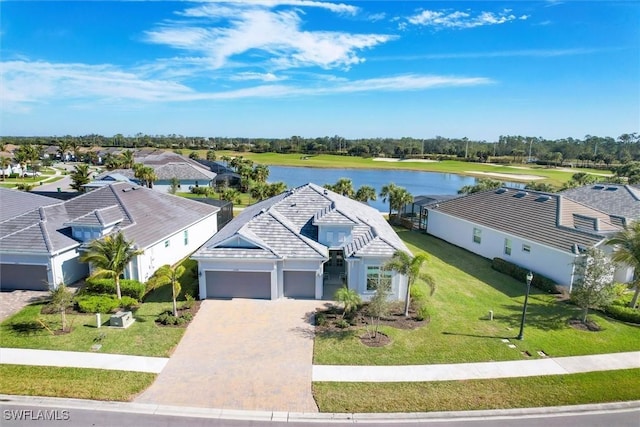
(26, 328)
(465, 261)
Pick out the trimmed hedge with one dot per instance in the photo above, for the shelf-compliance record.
(622, 313)
(129, 288)
(97, 303)
(539, 281)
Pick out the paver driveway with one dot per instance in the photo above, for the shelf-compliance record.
(242, 354)
(13, 301)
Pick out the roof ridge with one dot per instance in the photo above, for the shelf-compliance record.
(120, 202)
(289, 226)
(45, 236)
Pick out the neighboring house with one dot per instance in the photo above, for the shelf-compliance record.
(615, 199)
(304, 243)
(112, 177)
(169, 165)
(543, 232)
(225, 176)
(40, 246)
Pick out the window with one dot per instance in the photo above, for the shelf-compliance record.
(330, 237)
(377, 277)
(507, 246)
(341, 236)
(166, 243)
(186, 237)
(526, 248)
(477, 235)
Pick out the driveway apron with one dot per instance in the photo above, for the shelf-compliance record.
(242, 354)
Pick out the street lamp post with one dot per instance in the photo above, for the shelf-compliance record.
(524, 309)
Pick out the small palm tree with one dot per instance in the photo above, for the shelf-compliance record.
(387, 194)
(401, 262)
(80, 176)
(110, 257)
(626, 244)
(170, 275)
(349, 299)
(365, 193)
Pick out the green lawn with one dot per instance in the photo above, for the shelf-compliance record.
(555, 390)
(552, 175)
(467, 288)
(95, 384)
(143, 338)
(245, 198)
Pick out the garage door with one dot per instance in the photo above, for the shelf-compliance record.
(234, 284)
(300, 284)
(31, 277)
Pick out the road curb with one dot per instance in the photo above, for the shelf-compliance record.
(279, 416)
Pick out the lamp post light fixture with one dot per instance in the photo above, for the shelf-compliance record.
(524, 309)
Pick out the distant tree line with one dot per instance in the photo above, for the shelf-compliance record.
(590, 151)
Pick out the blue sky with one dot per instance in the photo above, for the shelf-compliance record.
(358, 69)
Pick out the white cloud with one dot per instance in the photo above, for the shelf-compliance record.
(462, 19)
(532, 53)
(272, 35)
(25, 84)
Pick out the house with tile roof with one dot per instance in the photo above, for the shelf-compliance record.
(304, 243)
(169, 165)
(543, 232)
(616, 199)
(40, 243)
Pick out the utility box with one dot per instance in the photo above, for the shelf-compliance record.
(122, 319)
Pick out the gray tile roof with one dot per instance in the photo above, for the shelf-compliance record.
(286, 226)
(183, 171)
(144, 216)
(546, 218)
(615, 199)
(14, 202)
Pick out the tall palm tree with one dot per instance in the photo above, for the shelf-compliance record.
(170, 275)
(110, 257)
(626, 250)
(387, 192)
(126, 158)
(399, 199)
(365, 193)
(80, 176)
(344, 186)
(261, 173)
(401, 262)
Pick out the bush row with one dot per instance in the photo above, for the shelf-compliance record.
(130, 288)
(103, 303)
(623, 313)
(539, 281)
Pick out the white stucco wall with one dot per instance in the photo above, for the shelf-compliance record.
(160, 254)
(550, 262)
(357, 274)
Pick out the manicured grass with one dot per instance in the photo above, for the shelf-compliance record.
(143, 338)
(554, 176)
(95, 384)
(459, 331)
(556, 390)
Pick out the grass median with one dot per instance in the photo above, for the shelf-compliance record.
(95, 384)
(529, 392)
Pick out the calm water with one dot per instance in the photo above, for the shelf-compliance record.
(417, 183)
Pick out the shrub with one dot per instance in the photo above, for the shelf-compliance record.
(342, 323)
(321, 319)
(422, 312)
(168, 319)
(419, 293)
(510, 269)
(97, 303)
(130, 288)
(201, 190)
(622, 313)
(188, 301)
(128, 303)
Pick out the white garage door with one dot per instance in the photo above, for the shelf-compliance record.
(20, 276)
(300, 284)
(236, 284)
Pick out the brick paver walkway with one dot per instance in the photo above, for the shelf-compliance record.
(242, 354)
(13, 301)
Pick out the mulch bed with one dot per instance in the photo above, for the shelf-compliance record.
(589, 325)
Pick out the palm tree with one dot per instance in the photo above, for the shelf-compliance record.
(482, 184)
(276, 188)
(80, 176)
(170, 275)
(5, 162)
(401, 262)
(626, 244)
(146, 174)
(261, 173)
(386, 194)
(126, 159)
(365, 193)
(344, 186)
(399, 199)
(349, 298)
(110, 257)
(259, 191)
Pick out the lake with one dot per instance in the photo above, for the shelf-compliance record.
(417, 183)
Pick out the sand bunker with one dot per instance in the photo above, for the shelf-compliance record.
(386, 159)
(507, 175)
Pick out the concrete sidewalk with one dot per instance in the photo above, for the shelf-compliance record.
(76, 359)
(483, 370)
